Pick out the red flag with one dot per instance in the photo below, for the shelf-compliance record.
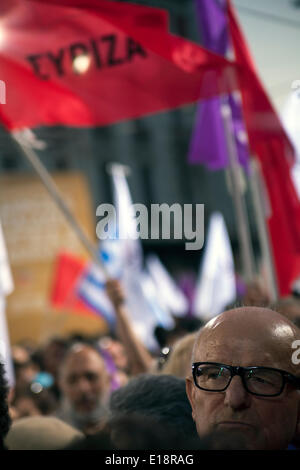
(132, 14)
(67, 271)
(99, 64)
(270, 143)
(262, 119)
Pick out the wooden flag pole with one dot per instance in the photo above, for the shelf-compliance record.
(26, 142)
(259, 204)
(238, 200)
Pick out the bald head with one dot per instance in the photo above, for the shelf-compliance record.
(250, 317)
(251, 329)
(81, 353)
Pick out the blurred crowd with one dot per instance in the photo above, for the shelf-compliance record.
(91, 392)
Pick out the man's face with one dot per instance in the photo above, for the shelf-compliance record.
(85, 381)
(264, 422)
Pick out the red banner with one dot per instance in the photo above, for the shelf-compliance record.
(95, 66)
(270, 143)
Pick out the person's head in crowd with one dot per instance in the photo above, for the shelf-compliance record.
(137, 432)
(52, 355)
(25, 368)
(244, 379)
(183, 326)
(289, 307)
(140, 432)
(35, 400)
(161, 397)
(178, 362)
(116, 350)
(85, 386)
(114, 354)
(20, 353)
(256, 295)
(41, 433)
(5, 419)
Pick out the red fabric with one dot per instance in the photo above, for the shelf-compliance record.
(269, 142)
(134, 15)
(262, 119)
(67, 271)
(136, 66)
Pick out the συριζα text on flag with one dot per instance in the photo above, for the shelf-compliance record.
(88, 66)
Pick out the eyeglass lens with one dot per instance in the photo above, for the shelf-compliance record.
(261, 381)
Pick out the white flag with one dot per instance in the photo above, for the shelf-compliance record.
(169, 293)
(150, 291)
(123, 257)
(6, 287)
(131, 247)
(142, 312)
(216, 286)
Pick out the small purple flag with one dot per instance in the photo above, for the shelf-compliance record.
(208, 142)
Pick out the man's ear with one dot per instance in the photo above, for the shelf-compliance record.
(190, 389)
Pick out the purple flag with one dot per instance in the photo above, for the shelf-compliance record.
(208, 143)
(212, 22)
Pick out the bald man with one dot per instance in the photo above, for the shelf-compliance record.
(243, 379)
(85, 385)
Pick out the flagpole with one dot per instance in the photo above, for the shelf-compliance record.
(263, 233)
(27, 146)
(238, 200)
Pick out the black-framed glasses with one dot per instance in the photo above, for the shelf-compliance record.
(257, 380)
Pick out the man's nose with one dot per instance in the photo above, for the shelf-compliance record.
(236, 396)
(83, 385)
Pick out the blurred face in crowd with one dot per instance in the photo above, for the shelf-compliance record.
(255, 295)
(116, 351)
(25, 369)
(248, 336)
(84, 380)
(53, 355)
(25, 374)
(25, 406)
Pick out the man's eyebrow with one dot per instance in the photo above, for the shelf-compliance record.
(72, 375)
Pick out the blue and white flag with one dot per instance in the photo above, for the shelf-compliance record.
(91, 289)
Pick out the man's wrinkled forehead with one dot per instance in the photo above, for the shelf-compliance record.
(249, 334)
(82, 361)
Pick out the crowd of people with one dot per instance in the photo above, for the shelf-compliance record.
(229, 383)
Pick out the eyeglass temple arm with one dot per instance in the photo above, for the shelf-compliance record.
(293, 380)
